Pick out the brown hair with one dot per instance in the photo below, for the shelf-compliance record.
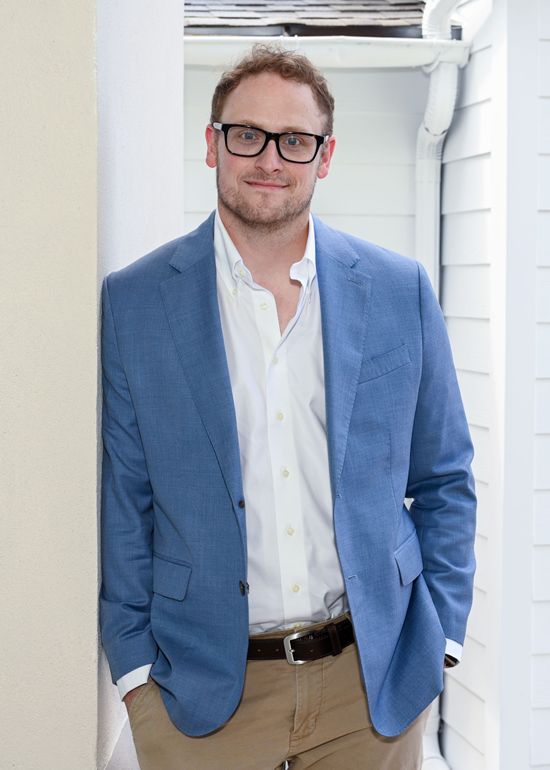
(287, 64)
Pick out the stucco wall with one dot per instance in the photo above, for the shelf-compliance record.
(48, 387)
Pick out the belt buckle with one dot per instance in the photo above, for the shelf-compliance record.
(289, 652)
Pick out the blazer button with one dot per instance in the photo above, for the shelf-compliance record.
(243, 587)
(241, 503)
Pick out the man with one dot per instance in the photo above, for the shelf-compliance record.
(273, 391)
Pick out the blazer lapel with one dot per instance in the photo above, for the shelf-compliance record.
(344, 293)
(190, 299)
(191, 304)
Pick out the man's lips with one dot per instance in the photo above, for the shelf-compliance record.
(265, 185)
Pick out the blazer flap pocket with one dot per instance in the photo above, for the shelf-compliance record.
(170, 578)
(409, 559)
(384, 363)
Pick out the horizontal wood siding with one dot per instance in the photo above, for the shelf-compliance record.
(460, 193)
(477, 627)
(471, 673)
(543, 237)
(465, 238)
(475, 391)
(542, 520)
(540, 669)
(470, 344)
(465, 291)
(484, 509)
(465, 299)
(464, 710)
(540, 732)
(541, 628)
(456, 745)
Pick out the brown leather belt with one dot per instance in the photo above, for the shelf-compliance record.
(305, 645)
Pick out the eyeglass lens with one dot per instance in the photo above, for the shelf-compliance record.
(249, 141)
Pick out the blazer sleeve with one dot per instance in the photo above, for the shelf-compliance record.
(126, 517)
(440, 476)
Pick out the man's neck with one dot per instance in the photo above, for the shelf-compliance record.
(267, 251)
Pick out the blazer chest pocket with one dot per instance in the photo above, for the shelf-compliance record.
(170, 578)
(384, 363)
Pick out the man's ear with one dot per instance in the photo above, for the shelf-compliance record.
(326, 152)
(211, 136)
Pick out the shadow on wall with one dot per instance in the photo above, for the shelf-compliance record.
(124, 755)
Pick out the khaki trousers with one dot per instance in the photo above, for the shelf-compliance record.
(313, 715)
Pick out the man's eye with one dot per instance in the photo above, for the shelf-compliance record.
(292, 140)
(248, 136)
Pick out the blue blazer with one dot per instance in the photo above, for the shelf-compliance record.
(174, 550)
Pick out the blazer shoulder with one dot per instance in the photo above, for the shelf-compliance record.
(378, 258)
(373, 259)
(157, 265)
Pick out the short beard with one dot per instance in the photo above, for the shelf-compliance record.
(255, 218)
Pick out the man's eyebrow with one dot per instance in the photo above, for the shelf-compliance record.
(286, 130)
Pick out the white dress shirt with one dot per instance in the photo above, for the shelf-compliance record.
(277, 382)
(278, 389)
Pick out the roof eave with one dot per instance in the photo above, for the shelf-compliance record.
(334, 52)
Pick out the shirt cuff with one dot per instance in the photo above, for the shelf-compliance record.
(133, 679)
(454, 649)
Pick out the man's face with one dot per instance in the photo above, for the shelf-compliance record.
(266, 191)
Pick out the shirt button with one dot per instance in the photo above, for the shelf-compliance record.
(290, 531)
(295, 588)
(234, 292)
(286, 473)
(275, 360)
(280, 416)
(263, 305)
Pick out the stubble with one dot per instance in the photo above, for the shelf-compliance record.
(258, 216)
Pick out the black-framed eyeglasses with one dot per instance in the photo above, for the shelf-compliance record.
(249, 141)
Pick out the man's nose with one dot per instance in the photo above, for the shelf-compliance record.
(269, 159)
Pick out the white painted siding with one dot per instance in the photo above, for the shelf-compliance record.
(540, 665)
(465, 273)
(465, 299)
(477, 162)
(370, 189)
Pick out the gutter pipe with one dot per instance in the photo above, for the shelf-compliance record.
(436, 20)
(438, 115)
(431, 137)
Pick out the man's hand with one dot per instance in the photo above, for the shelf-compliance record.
(129, 697)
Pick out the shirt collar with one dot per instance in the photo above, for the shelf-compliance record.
(230, 265)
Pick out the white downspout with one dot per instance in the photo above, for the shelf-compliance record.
(436, 20)
(429, 149)
(431, 136)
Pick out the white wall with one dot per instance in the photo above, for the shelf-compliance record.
(370, 189)
(496, 299)
(48, 387)
(140, 119)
